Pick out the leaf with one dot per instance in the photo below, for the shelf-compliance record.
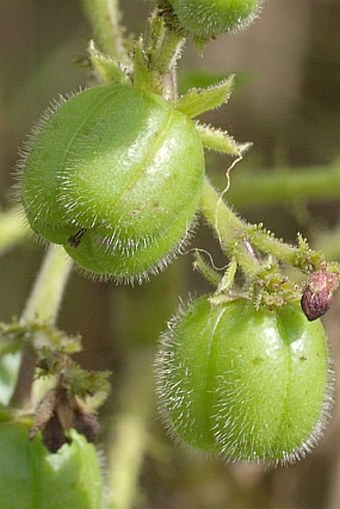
(37, 479)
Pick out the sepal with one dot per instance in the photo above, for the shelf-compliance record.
(220, 141)
(107, 67)
(199, 100)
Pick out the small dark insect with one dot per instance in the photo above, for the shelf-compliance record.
(75, 239)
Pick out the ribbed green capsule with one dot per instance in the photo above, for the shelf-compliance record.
(115, 175)
(33, 478)
(250, 385)
(208, 19)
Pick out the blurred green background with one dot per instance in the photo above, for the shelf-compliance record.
(287, 101)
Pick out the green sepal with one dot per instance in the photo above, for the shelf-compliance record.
(107, 67)
(162, 46)
(228, 278)
(155, 36)
(200, 100)
(39, 335)
(145, 77)
(220, 141)
(206, 269)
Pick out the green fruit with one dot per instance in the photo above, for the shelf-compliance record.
(251, 385)
(115, 175)
(33, 478)
(209, 18)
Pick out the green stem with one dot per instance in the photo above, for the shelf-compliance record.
(44, 301)
(104, 17)
(42, 305)
(238, 238)
(318, 183)
(130, 431)
(268, 243)
(230, 229)
(12, 229)
(227, 224)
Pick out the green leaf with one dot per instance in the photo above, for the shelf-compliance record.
(33, 478)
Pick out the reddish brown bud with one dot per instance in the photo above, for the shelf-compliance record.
(318, 293)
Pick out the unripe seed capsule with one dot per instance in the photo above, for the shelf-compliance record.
(250, 385)
(209, 18)
(114, 175)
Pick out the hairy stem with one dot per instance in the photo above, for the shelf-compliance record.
(227, 224)
(237, 238)
(230, 229)
(42, 305)
(318, 184)
(104, 17)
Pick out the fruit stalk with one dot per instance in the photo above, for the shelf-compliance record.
(230, 229)
(239, 239)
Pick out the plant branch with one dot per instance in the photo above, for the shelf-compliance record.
(230, 229)
(130, 431)
(42, 305)
(319, 183)
(104, 17)
(44, 301)
(238, 238)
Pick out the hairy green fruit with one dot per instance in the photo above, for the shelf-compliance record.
(251, 385)
(115, 175)
(33, 478)
(209, 18)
